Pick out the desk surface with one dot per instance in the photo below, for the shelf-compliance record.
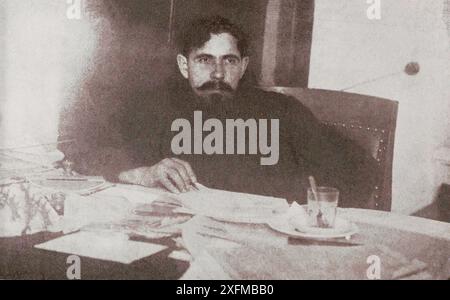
(20, 260)
(426, 240)
(415, 238)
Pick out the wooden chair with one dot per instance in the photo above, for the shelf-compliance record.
(368, 121)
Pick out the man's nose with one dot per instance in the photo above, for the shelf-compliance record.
(218, 72)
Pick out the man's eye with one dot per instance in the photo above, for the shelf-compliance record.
(204, 60)
(232, 60)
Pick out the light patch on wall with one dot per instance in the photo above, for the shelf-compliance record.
(45, 57)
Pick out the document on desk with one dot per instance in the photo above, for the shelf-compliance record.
(108, 206)
(122, 210)
(12, 167)
(109, 247)
(232, 206)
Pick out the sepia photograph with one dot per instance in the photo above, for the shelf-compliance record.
(238, 140)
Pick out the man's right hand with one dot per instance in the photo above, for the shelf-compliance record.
(173, 174)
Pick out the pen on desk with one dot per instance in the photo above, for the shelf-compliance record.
(96, 190)
(194, 185)
(67, 179)
(74, 179)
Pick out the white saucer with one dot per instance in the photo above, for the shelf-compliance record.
(241, 218)
(295, 225)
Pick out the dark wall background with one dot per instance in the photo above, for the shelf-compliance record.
(132, 58)
(294, 43)
(135, 53)
(138, 50)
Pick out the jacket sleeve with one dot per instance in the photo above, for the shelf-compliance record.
(125, 141)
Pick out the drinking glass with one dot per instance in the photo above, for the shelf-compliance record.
(322, 211)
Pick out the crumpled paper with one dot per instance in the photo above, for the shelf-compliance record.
(25, 209)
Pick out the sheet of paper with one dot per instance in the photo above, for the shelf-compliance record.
(120, 208)
(201, 232)
(232, 206)
(66, 184)
(11, 166)
(115, 248)
(134, 194)
(181, 255)
(80, 211)
(39, 155)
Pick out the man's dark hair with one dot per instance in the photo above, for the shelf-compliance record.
(199, 31)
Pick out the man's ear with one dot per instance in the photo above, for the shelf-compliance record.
(183, 65)
(245, 62)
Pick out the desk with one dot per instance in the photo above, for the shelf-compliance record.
(19, 260)
(413, 237)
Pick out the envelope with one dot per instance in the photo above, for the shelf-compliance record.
(109, 247)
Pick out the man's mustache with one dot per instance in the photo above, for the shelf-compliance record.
(215, 86)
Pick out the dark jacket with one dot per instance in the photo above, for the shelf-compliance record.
(140, 135)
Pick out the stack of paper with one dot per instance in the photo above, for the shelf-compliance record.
(121, 209)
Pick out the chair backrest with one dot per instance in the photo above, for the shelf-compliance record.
(368, 121)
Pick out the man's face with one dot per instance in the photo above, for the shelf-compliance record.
(214, 71)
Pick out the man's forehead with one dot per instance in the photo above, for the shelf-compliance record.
(221, 44)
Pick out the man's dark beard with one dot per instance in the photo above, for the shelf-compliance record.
(213, 91)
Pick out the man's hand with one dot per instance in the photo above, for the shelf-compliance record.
(173, 174)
